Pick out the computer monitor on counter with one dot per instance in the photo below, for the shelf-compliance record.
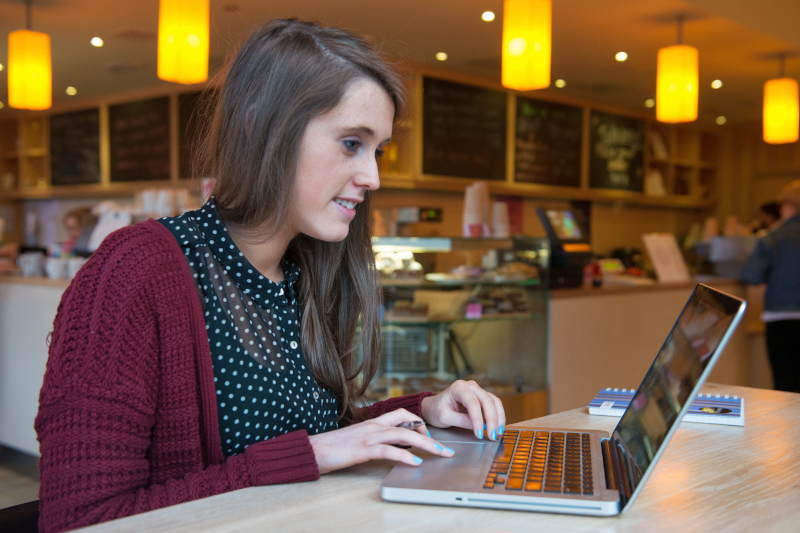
(570, 250)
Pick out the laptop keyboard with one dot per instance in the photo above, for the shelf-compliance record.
(542, 461)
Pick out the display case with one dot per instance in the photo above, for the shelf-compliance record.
(460, 308)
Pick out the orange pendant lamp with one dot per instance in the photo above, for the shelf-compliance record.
(677, 82)
(527, 38)
(781, 110)
(30, 78)
(183, 36)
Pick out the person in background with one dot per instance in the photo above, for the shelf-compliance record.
(776, 262)
(232, 346)
(768, 214)
(78, 224)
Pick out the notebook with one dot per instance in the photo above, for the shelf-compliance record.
(722, 409)
(574, 471)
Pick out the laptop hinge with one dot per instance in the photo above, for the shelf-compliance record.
(615, 470)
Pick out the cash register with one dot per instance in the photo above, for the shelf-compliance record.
(569, 247)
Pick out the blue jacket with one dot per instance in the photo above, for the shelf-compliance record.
(776, 261)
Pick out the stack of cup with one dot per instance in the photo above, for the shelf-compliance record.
(476, 210)
(500, 219)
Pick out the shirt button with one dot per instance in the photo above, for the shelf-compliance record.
(316, 395)
(293, 344)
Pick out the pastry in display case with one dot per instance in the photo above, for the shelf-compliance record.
(464, 308)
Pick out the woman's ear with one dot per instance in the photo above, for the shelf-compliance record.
(249, 117)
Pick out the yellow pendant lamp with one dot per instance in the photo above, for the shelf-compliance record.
(30, 78)
(677, 82)
(527, 30)
(781, 110)
(183, 40)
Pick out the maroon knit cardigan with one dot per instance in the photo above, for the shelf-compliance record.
(127, 417)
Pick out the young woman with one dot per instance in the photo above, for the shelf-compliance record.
(217, 350)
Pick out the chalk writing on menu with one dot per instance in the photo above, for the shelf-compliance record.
(75, 147)
(463, 131)
(139, 134)
(617, 154)
(548, 143)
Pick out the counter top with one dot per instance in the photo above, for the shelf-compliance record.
(583, 292)
(39, 282)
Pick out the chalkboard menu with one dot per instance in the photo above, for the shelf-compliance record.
(617, 155)
(463, 131)
(75, 147)
(189, 122)
(139, 138)
(547, 145)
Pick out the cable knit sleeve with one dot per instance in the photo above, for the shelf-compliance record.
(121, 416)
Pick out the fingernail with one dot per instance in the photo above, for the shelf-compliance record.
(429, 433)
(501, 431)
(449, 450)
(494, 435)
(438, 446)
(417, 460)
(484, 425)
(480, 433)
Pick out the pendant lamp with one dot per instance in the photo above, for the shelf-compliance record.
(677, 82)
(527, 29)
(183, 40)
(30, 84)
(781, 109)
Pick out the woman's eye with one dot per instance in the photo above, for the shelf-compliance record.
(351, 145)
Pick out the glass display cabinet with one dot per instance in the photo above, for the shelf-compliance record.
(465, 308)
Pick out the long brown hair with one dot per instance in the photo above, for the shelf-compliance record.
(286, 73)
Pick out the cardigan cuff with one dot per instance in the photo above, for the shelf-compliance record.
(288, 458)
(411, 403)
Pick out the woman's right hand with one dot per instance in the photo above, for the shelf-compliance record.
(373, 439)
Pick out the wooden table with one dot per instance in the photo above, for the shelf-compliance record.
(711, 478)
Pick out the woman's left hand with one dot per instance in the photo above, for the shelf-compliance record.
(465, 405)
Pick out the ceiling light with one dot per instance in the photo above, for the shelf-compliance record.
(488, 16)
(97, 41)
(716, 84)
(649, 103)
(781, 109)
(30, 70)
(72, 91)
(621, 56)
(2, 105)
(1, 66)
(183, 40)
(676, 82)
(721, 120)
(561, 84)
(441, 56)
(527, 41)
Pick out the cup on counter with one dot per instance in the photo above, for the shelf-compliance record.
(30, 263)
(55, 267)
(74, 264)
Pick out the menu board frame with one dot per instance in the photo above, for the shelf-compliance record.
(139, 139)
(75, 147)
(616, 156)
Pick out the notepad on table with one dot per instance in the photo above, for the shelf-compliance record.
(705, 409)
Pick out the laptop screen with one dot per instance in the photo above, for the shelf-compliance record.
(673, 377)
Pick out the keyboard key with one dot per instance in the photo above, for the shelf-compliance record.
(533, 485)
(488, 485)
(514, 484)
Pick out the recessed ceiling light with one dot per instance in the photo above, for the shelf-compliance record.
(441, 56)
(716, 84)
(561, 83)
(488, 16)
(2, 105)
(649, 103)
(1, 66)
(72, 91)
(621, 56)
(721, 120)
(97, 41)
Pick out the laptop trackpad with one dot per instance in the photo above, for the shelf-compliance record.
(466, 454)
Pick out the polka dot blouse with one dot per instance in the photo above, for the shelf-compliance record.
(264, 386)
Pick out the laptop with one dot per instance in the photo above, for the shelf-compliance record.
(574, 471)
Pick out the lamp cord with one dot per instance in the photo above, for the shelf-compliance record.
(28, 17)
(782, 66)
(679, 38)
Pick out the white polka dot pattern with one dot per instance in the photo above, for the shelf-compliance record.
(264, 386)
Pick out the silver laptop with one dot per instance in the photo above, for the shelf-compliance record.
(574, 471)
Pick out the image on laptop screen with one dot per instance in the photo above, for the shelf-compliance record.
(673, 376)
(564, 224)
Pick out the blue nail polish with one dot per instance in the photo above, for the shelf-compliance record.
(429, 433)
(438, 446)
(494, 435)
(501, 431)
(480, 434)
(449, 449)
(484, 425)
(417, 460)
